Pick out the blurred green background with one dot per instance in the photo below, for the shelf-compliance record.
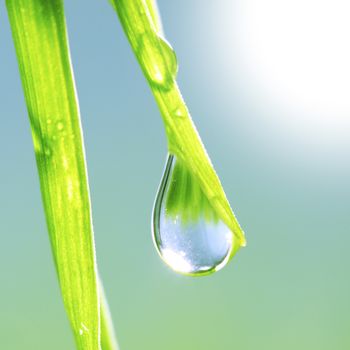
(268, 86)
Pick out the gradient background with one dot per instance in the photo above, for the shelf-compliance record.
(268, 85)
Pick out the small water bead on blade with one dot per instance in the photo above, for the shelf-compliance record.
(187, 232)
(158, 60)
(180, 112)
(59, 126)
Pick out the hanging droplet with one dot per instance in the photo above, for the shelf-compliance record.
(187, 232)
(158, 60)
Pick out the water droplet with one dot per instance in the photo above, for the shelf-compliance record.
(180, 111)
(187, 232)
(158, 60)
(60, 126)
(47, 151)
(83, 329)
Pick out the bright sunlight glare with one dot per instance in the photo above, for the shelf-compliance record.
(295, 55)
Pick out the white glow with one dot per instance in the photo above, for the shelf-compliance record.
(176, 261)
(294, 55)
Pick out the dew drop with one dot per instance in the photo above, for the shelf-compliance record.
(60, 126)
(83, 329)
(47, 151)
(187, 232)
(180, 112)
(158, 60)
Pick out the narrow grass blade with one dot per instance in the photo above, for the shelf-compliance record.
(108, 337)
(39, 33)
(159, 65)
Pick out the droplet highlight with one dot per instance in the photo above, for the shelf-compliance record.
(188, 234)
(180, 112)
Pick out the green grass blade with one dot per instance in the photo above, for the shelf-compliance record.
(159, 65)
(154, 13)
(39, 33)
(108, 337)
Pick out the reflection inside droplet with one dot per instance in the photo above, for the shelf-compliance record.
(187, 232)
